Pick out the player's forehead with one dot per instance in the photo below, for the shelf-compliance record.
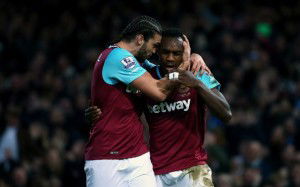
(172, 43)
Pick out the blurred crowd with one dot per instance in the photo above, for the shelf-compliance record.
(47, 51)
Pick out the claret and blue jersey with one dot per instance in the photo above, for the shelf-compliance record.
(119, 133)
(177, 126)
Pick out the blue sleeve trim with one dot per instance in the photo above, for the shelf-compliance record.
(158, 72)
(208, 81)
(121, 66)
(148, 65)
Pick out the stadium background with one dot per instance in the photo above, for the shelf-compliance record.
(47, 49)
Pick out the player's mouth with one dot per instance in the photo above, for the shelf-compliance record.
(170, 67)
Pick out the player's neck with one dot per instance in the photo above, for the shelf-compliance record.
(129, 46)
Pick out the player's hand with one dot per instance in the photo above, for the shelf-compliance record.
(198, 64)
(187, 78)
(185, 65)
(92, 114)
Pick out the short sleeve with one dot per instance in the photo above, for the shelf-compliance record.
(209, 81)
(121, 66)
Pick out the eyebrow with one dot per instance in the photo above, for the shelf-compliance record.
(173, 51)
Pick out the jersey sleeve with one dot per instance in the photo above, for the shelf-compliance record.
(148, 65)
(121, 66)
(208, 81)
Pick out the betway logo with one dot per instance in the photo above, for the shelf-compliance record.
(169, 107)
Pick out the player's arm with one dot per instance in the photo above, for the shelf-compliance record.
(212, 97)
(215, 101)
(156, 89)
(198, 65)
(122, 67)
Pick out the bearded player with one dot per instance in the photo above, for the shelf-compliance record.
(177, 125)
(116, 154)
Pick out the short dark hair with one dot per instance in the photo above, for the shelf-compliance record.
(172, 33)
(144, 25)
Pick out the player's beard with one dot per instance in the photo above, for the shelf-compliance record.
(142, 54)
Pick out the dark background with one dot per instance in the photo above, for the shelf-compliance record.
(47, 51)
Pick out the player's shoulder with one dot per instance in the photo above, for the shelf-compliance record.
(123, 56)
(119, 53)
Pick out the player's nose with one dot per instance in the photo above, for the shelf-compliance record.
(170, 57)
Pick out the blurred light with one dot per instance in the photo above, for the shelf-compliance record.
(264, 29)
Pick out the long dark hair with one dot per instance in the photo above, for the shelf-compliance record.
(145, 25)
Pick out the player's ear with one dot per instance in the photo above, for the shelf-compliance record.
(140, 39)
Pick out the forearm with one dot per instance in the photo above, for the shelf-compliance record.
(166, 86)
(215, 101)
(156, 89)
